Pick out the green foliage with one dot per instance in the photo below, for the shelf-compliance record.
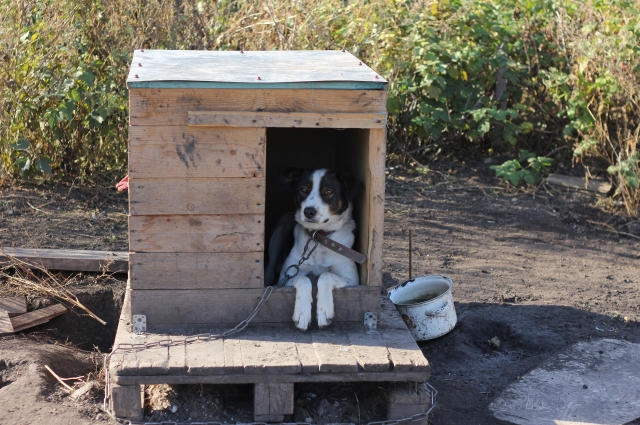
(513, 171)
(500, 75)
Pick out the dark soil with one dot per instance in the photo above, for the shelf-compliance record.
(539, 270)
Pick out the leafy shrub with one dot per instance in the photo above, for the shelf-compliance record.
(558, 79)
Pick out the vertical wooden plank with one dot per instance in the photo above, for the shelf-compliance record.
(281, 398)
(369, 350)
(376, 161)
(306, 353)
(261, 399)
(127, 401)
(232, 356)
(205, 358)
(332, 349)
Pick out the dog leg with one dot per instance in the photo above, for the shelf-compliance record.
(304, 298)
(327, 282)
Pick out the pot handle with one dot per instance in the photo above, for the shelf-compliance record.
(438, 311)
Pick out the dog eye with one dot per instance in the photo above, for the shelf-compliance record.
(328, 192)
(304, 189)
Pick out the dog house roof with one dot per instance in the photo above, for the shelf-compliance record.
(319, 69)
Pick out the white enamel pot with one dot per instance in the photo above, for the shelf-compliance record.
(426, 306)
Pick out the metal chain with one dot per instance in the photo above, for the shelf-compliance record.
(129, 348)
(303, 258)
(414, 418)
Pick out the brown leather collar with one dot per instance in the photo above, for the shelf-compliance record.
(323, 239)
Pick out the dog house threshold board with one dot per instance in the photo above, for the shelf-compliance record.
(342, 352)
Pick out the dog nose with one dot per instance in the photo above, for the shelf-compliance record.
(310, 212)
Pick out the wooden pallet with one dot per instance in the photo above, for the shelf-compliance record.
(271, 357)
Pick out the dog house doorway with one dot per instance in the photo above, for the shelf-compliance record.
(345, 150)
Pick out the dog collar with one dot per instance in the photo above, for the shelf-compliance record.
(323, 239)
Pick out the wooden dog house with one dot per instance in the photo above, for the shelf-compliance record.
(209, 134)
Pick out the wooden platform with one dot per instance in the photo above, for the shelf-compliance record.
(269, 355)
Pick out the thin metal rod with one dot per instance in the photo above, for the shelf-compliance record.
(410, 254)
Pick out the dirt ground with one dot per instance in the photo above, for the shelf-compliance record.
(537, 269)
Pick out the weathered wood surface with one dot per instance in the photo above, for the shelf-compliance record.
(196, 270)
(281, 354)
(222, 195)
(375, 201)
(230, 306)
(251, 67)
(579, 183)
(150, 107)
(66, 259)
(36, 317)
(272, 401)
(14, 305)
(6, 328)
(396, 337)
(127, 401)
(176, 152)
(196, 233)
(288, 119)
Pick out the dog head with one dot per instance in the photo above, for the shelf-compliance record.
(322, 197)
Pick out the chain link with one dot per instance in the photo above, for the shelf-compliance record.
(303, 258)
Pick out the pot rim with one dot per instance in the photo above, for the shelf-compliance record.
(403, 284)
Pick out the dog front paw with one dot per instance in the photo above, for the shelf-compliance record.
(324, 319)
(325, 310)
(302, 318)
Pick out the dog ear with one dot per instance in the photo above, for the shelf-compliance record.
(289, 178)
(352, 185)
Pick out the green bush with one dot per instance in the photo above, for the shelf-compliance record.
(557, 79)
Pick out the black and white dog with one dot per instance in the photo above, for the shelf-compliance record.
(323, 201)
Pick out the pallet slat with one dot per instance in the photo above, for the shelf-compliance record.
(332, 349)
(196, 270)
(369, 351)
(206, 358)
(14, 305)
(197, 233)
(171, 106)
(177, 152)
(217, 307)
(287, 119)
(37, 317)
(267, 352)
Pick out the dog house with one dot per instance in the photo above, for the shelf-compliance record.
(209, 134)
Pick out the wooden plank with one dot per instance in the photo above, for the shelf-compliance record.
(280, 399)
(369, 350)
(177, 152)
(261, 399)
(196, 196)
(375, 201)
(230, 306)
(6, 328)
(153, 361)
(404, 353)
(249, 67)
(579, 183)
(177, 363)
(205, 358)
(171, 106)
(14, 305)
(266, 351)
(306, 353)
(197, 233)
(67, 259)
(233, 356)
(127, 401)
(332, 349)
(288, 119)
(252, 379)
(196, 270)
(37, 317)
